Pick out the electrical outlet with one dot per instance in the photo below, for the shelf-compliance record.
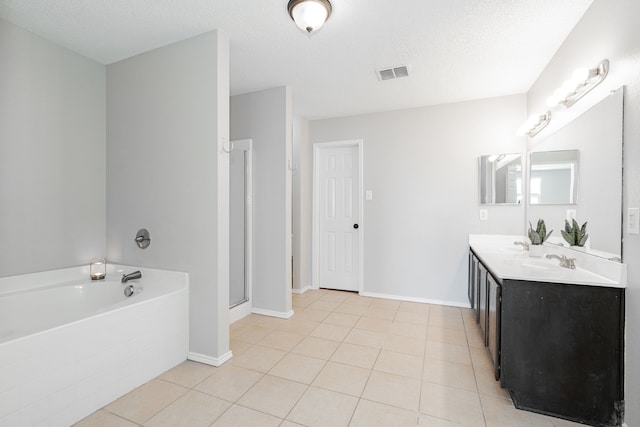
(571, 214)
(633, 220)
(368, 195)
(484, 215)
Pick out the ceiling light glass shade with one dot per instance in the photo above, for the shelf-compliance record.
(309, 15)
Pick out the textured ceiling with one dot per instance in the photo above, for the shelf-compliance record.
(457, 49)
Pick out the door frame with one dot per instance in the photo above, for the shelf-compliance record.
(244, 309)
(315, 217)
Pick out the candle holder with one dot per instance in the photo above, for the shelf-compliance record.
(98, 268)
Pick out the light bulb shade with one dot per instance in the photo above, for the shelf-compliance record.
(309, 15)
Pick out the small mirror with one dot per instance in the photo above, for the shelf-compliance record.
(500, 179)
(553, 177)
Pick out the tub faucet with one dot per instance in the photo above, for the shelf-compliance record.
(131, 276)
(564, 261)
(525, 245)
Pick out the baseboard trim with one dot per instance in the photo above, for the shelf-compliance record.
(271, 313)
(213, 361)
(412, 299)
(301, 291)
(240, 311)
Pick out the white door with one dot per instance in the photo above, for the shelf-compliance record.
(338, 206)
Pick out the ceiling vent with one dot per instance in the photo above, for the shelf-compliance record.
(393, 73)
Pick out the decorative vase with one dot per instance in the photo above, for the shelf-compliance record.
(536, 251)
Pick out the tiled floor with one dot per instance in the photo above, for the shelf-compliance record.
(341, 360)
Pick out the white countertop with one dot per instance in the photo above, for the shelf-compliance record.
(508, 261)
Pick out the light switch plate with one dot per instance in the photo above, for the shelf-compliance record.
(484, 215)
(633, 220)
(368, 195)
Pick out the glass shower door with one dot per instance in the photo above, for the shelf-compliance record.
(239, 221)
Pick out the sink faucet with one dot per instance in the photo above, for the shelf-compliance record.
(564, 261)
(525, 245)
(131, 276)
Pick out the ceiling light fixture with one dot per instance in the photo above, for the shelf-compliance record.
(581, 82)
(309, 15)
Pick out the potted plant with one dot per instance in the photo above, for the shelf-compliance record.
(538, 237)
(573, 234)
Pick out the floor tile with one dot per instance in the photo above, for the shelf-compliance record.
(385, 304)
(273, 395)
(429, 421)
(449, 336)
(325, 305)
(373, 324)
(311, 314)
(448, 352)
(259, 358)
(348, 308)
(452, 404)
(401, 344)
(194, 409)
(355, 355)
(380, 313)
(501, 413)
(449, 374)
(316, 347)
(239, 416)
(299, 326)
(103, 418)
(342, 378)
(342, 319)
(414, 307)
(250, 333)
(188, 374)
(393, 390)
(238, 347)
(374, 414)
(229, 382)
(146, 401)
(366, 338)
(411, 330)
(403, 364)
(281, 340)
(296, 367)
(330, 332)
(412, 317)
(322, 408)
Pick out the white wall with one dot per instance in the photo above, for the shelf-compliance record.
(422, 166)
(167, 119)
(266, 118)
(609, 29)
(52, 155)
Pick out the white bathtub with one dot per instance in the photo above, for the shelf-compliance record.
(69, 346)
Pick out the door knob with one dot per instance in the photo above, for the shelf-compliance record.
(355, 226)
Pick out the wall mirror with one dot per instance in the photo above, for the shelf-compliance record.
(596, 138)
(553, 177)
(500, 179)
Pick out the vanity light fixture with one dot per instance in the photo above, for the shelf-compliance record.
(309, 15)
(581, 82)
(535, 124)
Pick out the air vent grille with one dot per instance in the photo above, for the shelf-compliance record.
(393, 72)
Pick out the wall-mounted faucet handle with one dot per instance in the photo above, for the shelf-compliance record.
(143, 238)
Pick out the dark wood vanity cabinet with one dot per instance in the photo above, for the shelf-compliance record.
(558, 348)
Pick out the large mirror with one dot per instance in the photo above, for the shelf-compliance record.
(500, 179)
(596, 139)
(553, 177)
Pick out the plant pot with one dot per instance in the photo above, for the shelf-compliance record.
(536, 251)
